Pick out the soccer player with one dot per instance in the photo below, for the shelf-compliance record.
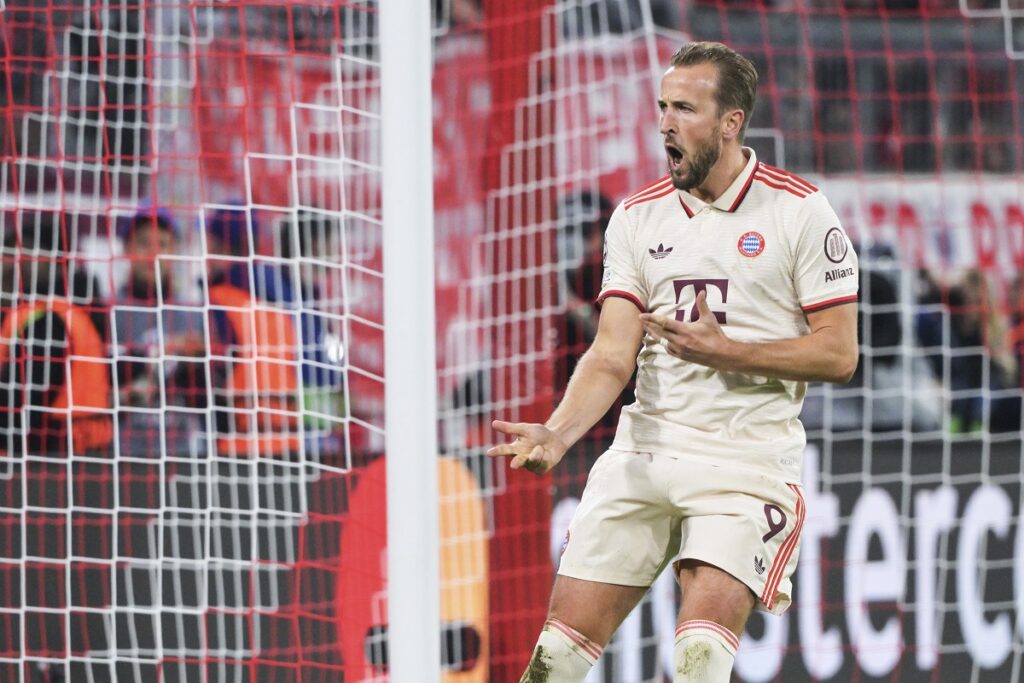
(737, 285)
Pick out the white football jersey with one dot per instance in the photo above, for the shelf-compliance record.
(767, 252)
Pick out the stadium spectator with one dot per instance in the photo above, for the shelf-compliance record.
(928, 316)
(966, 342)
(979, 361)
(256, 397)
(879, 326)
(54, 378)
(725, 335)
(145, 236)
(159, 344)
(232, 234)
(883, 367)
(306, 242)
(583, 218)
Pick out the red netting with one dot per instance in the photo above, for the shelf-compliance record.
(191, 380)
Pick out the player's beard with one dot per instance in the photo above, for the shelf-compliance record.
(700, 163)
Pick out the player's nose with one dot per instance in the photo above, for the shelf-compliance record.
(665, 123)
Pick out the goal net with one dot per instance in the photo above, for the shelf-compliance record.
(191, 343)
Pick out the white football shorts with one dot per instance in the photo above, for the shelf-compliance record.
(642, 511)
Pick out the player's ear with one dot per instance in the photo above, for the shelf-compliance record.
(732, 123)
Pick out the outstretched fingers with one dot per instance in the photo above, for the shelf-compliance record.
(514, 448)
(535, 448)
(517, 429)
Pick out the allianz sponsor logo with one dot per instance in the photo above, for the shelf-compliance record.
(837, 273)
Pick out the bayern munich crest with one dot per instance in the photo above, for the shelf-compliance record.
(751, 244)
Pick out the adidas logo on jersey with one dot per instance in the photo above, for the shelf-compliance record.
(758, 565)
(661, 252)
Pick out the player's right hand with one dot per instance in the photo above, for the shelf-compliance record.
(536, 448)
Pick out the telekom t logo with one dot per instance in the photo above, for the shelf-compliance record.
(722, 285)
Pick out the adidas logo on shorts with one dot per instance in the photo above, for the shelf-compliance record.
(758, 565)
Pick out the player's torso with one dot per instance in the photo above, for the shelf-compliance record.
(760, 254)
(743, 260)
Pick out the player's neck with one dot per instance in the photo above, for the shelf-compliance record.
(722, 174)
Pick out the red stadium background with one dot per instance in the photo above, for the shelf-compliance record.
(907, 114)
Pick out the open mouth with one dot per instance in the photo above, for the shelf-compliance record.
(675, 156)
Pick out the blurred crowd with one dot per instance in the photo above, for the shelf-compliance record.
(158, 352)
(178, 340)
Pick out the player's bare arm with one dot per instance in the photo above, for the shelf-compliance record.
(827, 354)
(600, 376)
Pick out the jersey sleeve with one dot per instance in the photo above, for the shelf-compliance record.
(621, 276)
(825, 271)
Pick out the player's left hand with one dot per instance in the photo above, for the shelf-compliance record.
(701, 341)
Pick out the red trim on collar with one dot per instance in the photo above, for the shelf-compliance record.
(746, 188)
(689, 214)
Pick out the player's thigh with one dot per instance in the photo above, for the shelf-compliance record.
(711, 594)
(593, 608)
(747, 525)
(625, 530)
